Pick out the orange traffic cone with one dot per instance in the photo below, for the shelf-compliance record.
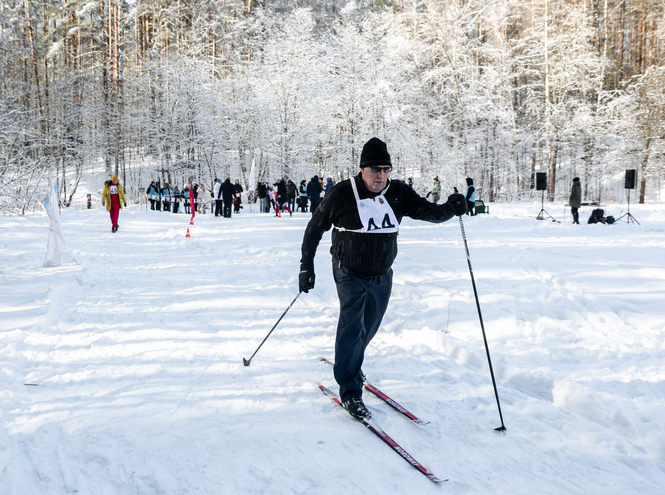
(191, 221)
(188, 236)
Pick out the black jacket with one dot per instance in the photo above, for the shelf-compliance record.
(227, 191)
(291, 190)
(261, 190)
(367, 255)
(314, 191)
(282, 195)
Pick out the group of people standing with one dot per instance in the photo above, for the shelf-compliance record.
(227, 196)
(469, 194)
(286, 195)
(169, 198)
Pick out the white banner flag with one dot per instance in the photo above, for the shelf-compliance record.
(250, 187)
(55, 239)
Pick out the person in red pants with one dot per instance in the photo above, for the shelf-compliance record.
(113, 198)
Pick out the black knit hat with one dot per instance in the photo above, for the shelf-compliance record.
(576, 179)
(375, 152)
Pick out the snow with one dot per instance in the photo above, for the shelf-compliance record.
(121, 370)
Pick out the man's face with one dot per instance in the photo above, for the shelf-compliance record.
(376, 178)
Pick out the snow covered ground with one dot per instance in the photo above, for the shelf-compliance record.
(121, 370)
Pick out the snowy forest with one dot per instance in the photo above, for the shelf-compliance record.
(180, 90)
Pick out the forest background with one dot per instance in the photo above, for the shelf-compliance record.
(180, 90)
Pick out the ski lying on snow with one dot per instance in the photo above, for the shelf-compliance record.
(392, 403)
(385, 437)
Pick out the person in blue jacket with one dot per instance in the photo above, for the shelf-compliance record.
(153, 194)
(470, 196)
(186, 196)
(166, 197)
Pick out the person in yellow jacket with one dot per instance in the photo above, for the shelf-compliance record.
(113, 198)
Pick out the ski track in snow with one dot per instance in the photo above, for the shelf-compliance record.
(121, 370)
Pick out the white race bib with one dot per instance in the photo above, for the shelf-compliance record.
(114, 189)
(376, 215)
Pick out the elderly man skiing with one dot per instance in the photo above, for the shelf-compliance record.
(365, 212)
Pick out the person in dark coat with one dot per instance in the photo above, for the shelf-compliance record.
(575, 200)
(314, 191)
(291, 193)
(227, 197)
(158, 202)
(237, 193)
(262, 193)
(282, 199)
(364, 212)
(195, 195)
(470, 196)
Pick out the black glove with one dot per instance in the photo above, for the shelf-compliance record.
(125, 205)
(457, 203)
(306, 278)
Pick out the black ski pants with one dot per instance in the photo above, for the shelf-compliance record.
(219, 206)
(362, 304)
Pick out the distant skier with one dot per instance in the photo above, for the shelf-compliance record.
(365, 212)
(113, 198)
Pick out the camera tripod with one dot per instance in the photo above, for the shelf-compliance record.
(629, 218)
(542, 212)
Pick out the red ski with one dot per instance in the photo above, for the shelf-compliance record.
(386, 438)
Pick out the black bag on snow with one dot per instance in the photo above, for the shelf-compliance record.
(610, 220)
(597, 216)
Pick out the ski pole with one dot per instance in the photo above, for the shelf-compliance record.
(482, 326)
(247, 362)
